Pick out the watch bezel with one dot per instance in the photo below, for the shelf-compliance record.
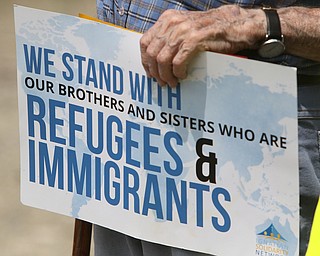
(277, 48)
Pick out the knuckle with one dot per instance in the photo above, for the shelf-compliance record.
(170, 17)
(163, 59)
(152, 53)
(184, 28)
(194, 38)
(144, 42)
(176, 63)
(168, 13)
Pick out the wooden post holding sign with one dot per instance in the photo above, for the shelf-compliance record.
(182, 167)
(82, 238)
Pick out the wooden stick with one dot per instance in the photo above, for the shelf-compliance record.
(81, 238)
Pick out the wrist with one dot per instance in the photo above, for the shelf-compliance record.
(255, 27)
(273, 44)
(252, 26)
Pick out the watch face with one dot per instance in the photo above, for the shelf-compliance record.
(271, 48)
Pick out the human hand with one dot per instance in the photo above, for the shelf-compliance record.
(168, 46)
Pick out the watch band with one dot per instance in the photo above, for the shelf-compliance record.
(273, 24)
(273, 45)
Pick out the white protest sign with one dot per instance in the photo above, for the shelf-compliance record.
(209, 166)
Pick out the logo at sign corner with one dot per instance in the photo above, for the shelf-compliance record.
(271, 242)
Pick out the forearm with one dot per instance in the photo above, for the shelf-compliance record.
(301, 29)
(246, 29)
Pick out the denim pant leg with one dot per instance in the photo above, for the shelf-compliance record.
(309, 164)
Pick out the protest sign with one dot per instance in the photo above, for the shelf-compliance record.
(209, 166)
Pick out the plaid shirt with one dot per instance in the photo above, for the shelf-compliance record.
(140, 15)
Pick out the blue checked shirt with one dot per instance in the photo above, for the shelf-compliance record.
(140, 15)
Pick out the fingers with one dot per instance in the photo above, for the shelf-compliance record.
(177, 36)
(162, 53)
(149, 55)
(156, 57)
(165, 65)
(182, 59)
(165, 62)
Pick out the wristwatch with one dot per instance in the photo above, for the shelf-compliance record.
(273, 46)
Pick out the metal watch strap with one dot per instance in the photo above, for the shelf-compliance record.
(273, 24)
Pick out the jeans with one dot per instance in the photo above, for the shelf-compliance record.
(309, 155)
